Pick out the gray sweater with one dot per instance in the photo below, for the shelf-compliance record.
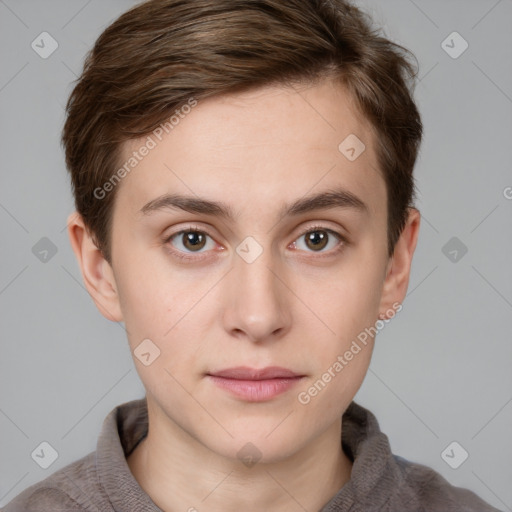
(380, 481)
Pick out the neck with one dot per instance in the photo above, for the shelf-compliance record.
(179, 473)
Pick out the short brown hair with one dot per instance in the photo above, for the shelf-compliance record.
(161, 53)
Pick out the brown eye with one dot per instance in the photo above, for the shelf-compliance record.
(186, 242)
(193, 240)
(317, 239)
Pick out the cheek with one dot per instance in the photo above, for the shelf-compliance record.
(329, 392)
(162, 303)
(347, 300)
(165, 311)
(146, 298)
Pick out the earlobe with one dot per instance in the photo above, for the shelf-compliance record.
(97, 273)
(399, 266)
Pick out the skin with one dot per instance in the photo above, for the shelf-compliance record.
(295, 306)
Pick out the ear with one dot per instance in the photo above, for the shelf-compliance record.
(97, 273)
(399, 266)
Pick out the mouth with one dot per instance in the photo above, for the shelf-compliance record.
(255, 385)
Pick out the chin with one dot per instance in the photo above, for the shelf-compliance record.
(256, 443)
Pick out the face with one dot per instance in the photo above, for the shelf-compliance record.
(273, 282)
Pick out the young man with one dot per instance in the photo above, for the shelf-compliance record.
(243, 181)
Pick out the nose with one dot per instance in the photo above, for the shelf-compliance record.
(257, 304)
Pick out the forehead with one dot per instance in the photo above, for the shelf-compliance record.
(271, 144)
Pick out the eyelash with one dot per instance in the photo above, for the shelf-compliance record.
(343, 242)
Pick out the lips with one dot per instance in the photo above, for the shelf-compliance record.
(246, 373)
(255, 385)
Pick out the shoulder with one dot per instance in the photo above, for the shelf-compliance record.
(43, 498)
(423, 489)
(70, 489)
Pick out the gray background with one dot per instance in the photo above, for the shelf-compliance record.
(441, 372)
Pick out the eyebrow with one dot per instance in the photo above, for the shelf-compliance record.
(329, 199)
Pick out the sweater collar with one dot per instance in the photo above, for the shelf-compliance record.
(375, 472)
